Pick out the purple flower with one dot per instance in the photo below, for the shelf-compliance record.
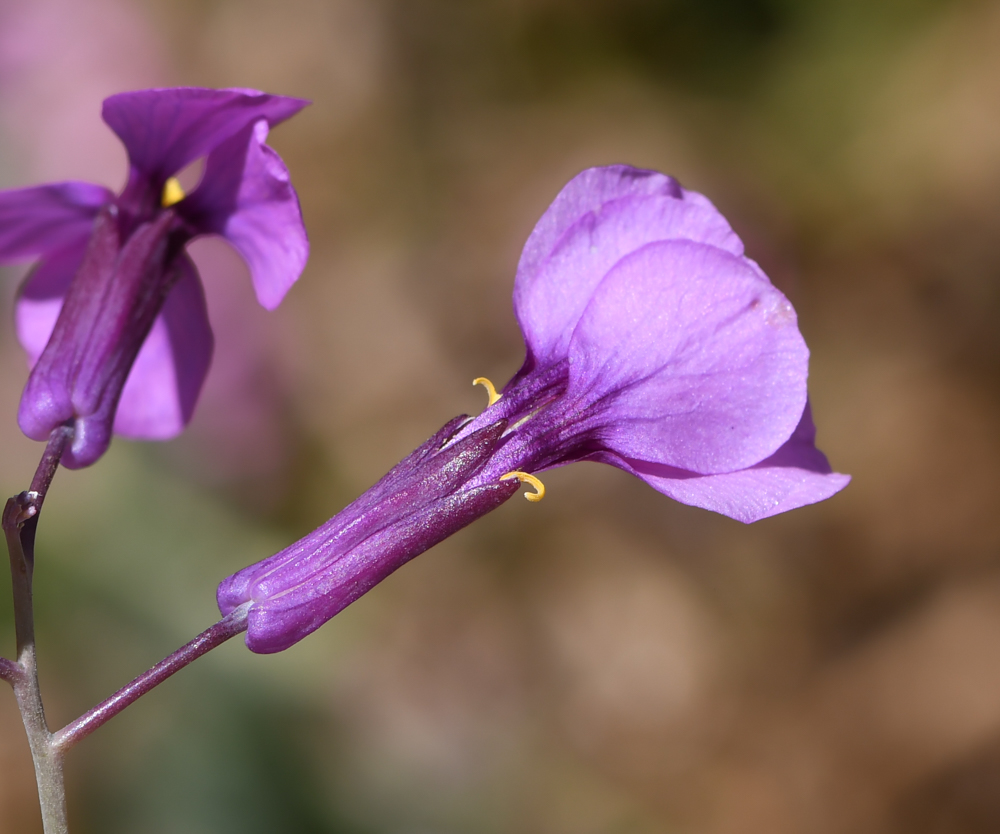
(653, 344)
(113, 317)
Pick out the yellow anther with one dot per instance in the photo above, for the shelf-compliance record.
(490, 389)
(531, 480)
(172, 192)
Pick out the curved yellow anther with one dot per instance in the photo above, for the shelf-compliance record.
(531, 480)
(172, 192)
(490, 389)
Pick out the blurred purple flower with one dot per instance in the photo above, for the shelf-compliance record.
(653, 344)
(113, 317)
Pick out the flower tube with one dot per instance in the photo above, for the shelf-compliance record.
(113, 317)
(652, 344)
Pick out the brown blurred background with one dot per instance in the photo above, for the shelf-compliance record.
(607, 662)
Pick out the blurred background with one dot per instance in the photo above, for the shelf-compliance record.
(607, 661)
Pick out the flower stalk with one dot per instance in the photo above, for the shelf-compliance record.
(229, 626)
(20, 519)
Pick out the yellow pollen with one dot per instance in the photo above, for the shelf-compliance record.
(490, 389)
(531, 480)
(172, 192)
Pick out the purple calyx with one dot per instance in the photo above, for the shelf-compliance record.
(110, 306)
(440, 488)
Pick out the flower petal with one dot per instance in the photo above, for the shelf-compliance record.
(165, 129)
(796, 475)
(585, 194)
(246, 196)
(163, 386)
(686, 357)
(46, 218)
(41, 297)
(601, 216)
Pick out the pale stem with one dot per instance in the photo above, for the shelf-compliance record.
(20, 519)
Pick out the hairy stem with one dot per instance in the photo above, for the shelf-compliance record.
(229, 626)
(20, 520)
(47, 759)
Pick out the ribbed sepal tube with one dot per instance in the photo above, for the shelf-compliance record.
(427, 497)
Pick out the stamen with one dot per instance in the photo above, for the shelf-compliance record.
(490, 389)
(172, 192)
(531, 480)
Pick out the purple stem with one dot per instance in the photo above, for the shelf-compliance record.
(20, 521)
(229, 626)
(50, 462)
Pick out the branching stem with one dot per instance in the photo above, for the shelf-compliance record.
(20, 519)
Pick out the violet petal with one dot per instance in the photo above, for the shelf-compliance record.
(688, 359)
(796, 475)
(583, 235)
(585, 194)
(165, 129)
(47, 218)
(166, 378)
(246, 196)
(41, 297)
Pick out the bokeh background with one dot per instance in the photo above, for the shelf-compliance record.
(606, 662)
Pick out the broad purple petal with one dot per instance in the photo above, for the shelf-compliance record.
(165, 129)
(41, 297)
(685, 357)
(585, 194)
(246, 196)
(599, 218)
(163, 386)
(47, 218)
(796, 475)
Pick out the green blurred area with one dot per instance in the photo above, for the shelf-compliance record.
(606, 661)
